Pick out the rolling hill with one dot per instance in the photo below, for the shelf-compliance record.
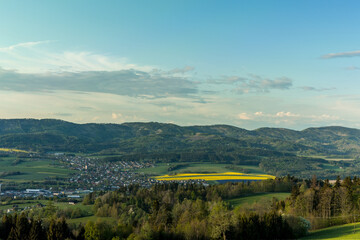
(58, 135)
(276, 150)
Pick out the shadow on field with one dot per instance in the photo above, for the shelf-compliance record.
(336, 232)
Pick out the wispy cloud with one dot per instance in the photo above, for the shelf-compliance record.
(263, 85)
(308, 88)
(30, 57)
(182, 70)
(341, 55)
(352, 68)
(21, 45)
(125, 82)
(253, 83)
(230, 80)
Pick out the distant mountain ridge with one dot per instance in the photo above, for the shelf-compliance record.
(150, 138)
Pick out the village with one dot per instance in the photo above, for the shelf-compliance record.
(97, 174)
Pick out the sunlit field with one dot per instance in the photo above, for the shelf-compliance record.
(347, 231)
(12, 150)
(215, 176)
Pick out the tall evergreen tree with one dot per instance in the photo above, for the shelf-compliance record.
(37, 231)
(7, 225)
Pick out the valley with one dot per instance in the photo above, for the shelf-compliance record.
(246, 172)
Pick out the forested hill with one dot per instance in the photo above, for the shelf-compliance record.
(159, 139)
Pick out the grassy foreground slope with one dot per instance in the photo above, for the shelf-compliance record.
(347, 231)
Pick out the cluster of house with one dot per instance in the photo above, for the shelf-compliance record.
(104, 175)
(16, 208)
(34, 193)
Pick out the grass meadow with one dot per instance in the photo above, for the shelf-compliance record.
(28, 203)
(31, 169)
(347, 231)
(63, 206)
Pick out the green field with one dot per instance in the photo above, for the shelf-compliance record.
(30, 169)
(329, 158)
(331, 167)
(60, 205)
(162, 168)
(256, 198)
(347, 231)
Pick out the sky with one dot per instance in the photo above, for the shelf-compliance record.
(251, 64)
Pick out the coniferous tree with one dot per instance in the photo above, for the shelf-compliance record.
(13, 234)
(21, 229)
(81, 234)
(37, 232)
(7, 225)
(51, 233)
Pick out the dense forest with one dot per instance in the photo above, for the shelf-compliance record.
(326, 204)
(165, 211)
(194, 211)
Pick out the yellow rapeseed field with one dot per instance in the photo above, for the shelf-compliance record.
(12, 150)
(214, 176)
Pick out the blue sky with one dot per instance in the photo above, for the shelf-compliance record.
(251, 64)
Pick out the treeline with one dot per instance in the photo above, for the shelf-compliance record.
(220, 224)
(175, 167)
(236, 168)
(326, 204)
(295, 165)
(306, 167)
(20, 227)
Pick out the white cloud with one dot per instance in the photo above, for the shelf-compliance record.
(243, 116)
(286, 114)
(114, 116)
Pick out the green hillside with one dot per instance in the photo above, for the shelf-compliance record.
(276, 150)
(150, 137)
